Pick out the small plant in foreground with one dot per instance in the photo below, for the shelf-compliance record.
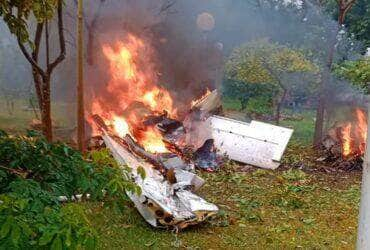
(34, 173)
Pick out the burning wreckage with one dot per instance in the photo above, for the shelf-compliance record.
(345, 142)
(168, 145)
(167, 198)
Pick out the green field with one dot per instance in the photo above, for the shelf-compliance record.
(303, 123)
(283, 209)
(18, 119)
(259, 210)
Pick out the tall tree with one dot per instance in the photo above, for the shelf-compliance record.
(265, 62)
(357, 18)
(17, 15)
(343, 7)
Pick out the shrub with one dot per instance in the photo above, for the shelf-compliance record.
(34, 173)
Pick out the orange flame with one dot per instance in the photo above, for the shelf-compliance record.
(346, 139)
(121, 126)
(354, 134)
(133, 79)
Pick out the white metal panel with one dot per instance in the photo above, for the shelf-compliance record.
(256, 143)
(272, 133)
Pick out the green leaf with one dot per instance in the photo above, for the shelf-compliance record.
(16, 234)
(6, 227)
(57, 244)
(141, 172)
(46, 238)
(68, 237)
(65, 149)
(90, 243)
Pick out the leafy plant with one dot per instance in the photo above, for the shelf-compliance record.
(34, 173)
(294, 175)
(357, 72)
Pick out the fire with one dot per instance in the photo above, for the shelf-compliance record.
(346, 139)
(151, 142)
(354, 134)
(120, 126)
(132, 92)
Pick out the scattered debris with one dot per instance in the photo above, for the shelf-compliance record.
(205, 157)
(167, 198)
(343, 146)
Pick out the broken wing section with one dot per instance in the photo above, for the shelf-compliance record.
(256, 143)
(161, 203)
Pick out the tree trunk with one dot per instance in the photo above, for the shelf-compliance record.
(320, 110)
(80, 82)
(343, 8)
(42, 76)
(38, 83)
(46, 110)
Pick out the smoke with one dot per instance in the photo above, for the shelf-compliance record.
(187, 58)
(190, 59)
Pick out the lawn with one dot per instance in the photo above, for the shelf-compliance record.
(18, 119)
(303, 122)
(260, 209)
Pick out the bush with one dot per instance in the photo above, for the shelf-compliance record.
(254, 98)
(34, 173)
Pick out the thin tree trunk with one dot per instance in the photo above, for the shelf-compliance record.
(46, 110)
(343, 8)
(42, 77)
(35, 53)
(38, 83)
(80, 87)
(46, 117)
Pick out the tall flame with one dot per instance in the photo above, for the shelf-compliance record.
(354, 134)
(133, 80)
(346, 139)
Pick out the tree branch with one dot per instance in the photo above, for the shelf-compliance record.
(37, 40)
(30, 59)
(35, 57)
(62, 43)
(166, 6)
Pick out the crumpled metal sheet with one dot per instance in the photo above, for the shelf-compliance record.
(161, 203)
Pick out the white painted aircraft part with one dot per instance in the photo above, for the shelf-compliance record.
(256, 143)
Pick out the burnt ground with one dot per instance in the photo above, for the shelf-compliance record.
(300, 205)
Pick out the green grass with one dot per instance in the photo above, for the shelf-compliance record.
(231, 104)
(259, 210)
(303, 123)
(17, 119)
